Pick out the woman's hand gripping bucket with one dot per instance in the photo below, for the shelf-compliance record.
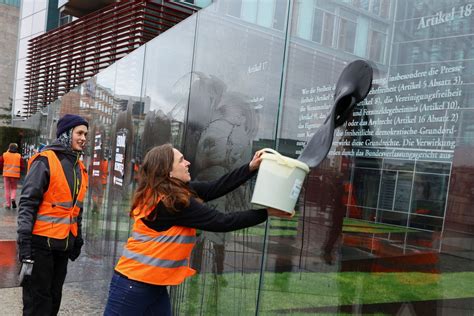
(279, 181)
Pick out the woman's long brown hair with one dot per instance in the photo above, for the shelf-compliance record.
(155, 183)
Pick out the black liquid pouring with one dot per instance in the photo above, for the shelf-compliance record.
(352, 87)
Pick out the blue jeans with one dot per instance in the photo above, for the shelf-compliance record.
(128, 297)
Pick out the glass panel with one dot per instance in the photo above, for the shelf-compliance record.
(403, 191)
(387, 192)
(39, 22)
(402, 161)
(27, 7)
(98, 163)
(363, 4)
(20, 89)
(98, 96)
(383, 225)
(232, 113)
(23, 47)
(234, 8)
(25, 28)
(317, 25)
(328, 29)
(393, 218)
(167, 79)
(429, 194)
(125, 119)
(40, 5)
(376, 45)
(21, 68)
(426, 222)
(366, 187)
(347, 32)
(434, 167)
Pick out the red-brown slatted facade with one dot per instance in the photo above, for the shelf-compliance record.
(65, 57)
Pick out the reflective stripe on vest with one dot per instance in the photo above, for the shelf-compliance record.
(11, 164)
(57, 215)
(160, 258)
(56, 220)
(154, 261)
(164, 238)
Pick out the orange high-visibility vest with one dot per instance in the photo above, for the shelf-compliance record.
(159, 258)
(104, 171)
(11, 164)
(57, 214)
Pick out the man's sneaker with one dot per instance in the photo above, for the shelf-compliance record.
(6, 206)
(13, 204)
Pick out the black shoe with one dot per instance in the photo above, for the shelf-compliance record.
(13, 204)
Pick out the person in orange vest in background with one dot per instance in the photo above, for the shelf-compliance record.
(12, 165)
(104, 171)
(50, 216)
(167, 209)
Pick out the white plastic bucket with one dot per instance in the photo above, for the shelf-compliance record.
(279, 181)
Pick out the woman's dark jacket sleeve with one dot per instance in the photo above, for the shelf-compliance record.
(200, 216)
(211, 190)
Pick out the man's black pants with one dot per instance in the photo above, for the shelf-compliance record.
(42, 290)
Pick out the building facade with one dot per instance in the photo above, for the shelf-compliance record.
(383, 224)
(9, 14)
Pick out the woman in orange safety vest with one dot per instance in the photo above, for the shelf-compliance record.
(11, 164)
(50, 215)
(167, 209)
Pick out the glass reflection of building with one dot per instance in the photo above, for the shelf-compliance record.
(382, 225)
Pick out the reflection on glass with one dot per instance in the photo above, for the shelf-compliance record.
(383, 225)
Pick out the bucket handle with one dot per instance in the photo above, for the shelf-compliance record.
(280, 158)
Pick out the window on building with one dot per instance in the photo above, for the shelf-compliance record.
(377, 7)
(377, 42)
(362, 4)
(376, 45)
(347, 31)
(323, 27)
(317, 25)
(252, 13)
(280, 15)
(64, 19)
(234, 8)
(380, 8)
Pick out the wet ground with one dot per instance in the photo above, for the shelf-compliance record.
(86, 286)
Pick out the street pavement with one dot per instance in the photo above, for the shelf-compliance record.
(86, 286)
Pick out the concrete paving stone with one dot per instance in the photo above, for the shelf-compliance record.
(79, 298)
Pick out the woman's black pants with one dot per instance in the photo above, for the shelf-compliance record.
(42, 290)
